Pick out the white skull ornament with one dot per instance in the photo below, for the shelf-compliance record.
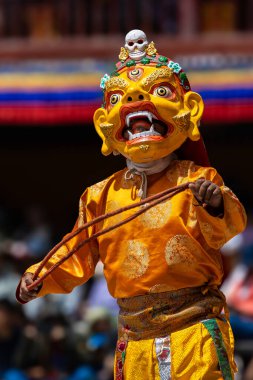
(136, 44)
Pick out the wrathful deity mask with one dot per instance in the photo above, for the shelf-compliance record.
(149, 109)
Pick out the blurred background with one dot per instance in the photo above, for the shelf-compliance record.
(52, 56)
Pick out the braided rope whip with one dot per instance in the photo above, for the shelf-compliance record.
(146, 204)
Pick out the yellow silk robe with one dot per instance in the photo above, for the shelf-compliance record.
(172, 246)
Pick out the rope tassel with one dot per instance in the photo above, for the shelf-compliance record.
(147, 203)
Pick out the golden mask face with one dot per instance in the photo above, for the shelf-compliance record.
(147, 115)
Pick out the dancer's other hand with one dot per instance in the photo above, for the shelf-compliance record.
(208, 193)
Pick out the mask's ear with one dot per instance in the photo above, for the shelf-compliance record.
(194, 104)
(104, 130)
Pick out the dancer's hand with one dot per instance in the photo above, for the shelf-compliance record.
(207, 192)
(25, 294)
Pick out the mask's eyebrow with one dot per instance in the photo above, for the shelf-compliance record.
(164, 73)
(113, 83)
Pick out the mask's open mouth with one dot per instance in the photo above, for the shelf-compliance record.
(143, 126)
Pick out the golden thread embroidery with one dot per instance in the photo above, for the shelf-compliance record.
(208, 234)
(179, 173)
(206, 229)
(81, 214)
(96, 189)
(157, 216)
(136, 261)
(181, 249)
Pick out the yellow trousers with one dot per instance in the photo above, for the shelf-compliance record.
(201, 351)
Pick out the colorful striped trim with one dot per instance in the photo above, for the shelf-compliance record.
(120, 358)
(213, 329)
(163, 353)
(67, 92)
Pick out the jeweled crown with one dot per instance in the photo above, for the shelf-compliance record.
(138, 51)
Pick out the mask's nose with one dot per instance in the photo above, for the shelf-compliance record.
(136, 95)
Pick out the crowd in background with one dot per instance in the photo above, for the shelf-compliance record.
(73, 336)
(59, 336)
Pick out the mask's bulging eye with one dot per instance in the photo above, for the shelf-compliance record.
(115, 98)
(163, 91)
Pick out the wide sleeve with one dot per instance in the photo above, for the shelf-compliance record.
(217, 230)
(77, 269)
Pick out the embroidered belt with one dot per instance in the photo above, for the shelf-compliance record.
(159, 314)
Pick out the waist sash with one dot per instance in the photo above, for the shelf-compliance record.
(159, 314)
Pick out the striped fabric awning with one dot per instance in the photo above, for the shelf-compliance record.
(227, 94)
(68, 93)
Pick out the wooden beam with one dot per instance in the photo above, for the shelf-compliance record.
(107, 47)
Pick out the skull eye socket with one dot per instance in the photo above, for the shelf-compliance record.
(130, 43)
(115, 98)
(140, 41)
(163, 91)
